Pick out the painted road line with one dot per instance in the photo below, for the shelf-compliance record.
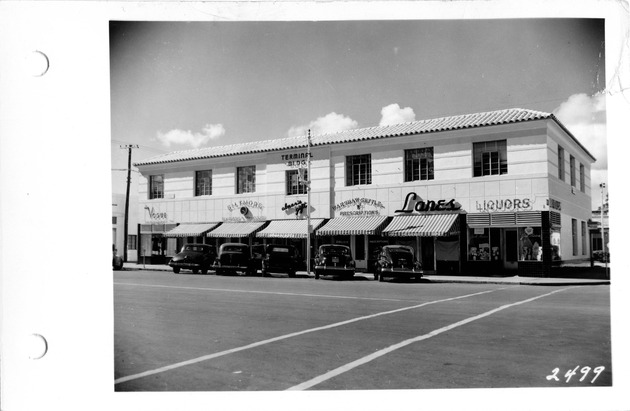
(345, 368)
(286, 336)
(227, 290)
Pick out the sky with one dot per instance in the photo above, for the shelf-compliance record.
(185, 85)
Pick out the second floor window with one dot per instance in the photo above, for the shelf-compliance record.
(572, 170)
(561, 163)
(246, 179)
(156, 186)
(582, 179)
(203, 183)
(359, 170)
(419, 164)
(490, 158)
(295, 183)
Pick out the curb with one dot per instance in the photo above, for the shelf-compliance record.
(552, 283)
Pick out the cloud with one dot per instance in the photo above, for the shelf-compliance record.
(330, 123)
(188, 138)
(393, 114)
(585, 117)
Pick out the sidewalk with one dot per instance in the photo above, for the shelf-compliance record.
(434, 278)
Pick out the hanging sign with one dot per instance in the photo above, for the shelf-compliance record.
(296, 160)
(413, 202)
(299, 207)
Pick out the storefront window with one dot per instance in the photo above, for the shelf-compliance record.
(530, 244)
(479, 244)
(555, 245)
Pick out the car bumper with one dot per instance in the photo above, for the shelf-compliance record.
(182, 264)
(401, 272)
(334, 269)
(230, 267)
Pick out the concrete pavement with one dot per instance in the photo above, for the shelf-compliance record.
(434, 278)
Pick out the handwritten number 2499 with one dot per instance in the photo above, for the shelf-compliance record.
(570, 373)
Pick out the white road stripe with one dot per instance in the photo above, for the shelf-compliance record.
(345, 368)
(260, 292)
(286, 336)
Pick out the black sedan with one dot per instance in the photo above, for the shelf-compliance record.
(397, 261)
(334, 259)
(280, 259)
(234, 258)
(195, 257)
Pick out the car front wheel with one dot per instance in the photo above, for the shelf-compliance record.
(176, 270)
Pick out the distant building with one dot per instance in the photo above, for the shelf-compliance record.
(595, 229)
(501, 192)
(118, 226)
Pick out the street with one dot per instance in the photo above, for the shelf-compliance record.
(184, 332)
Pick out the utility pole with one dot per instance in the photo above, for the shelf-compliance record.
(128, 147)
(308, 203)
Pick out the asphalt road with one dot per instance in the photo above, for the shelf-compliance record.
(207, 333)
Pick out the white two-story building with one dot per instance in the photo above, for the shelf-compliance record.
(502, 192)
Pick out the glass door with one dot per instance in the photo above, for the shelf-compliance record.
(510, 252)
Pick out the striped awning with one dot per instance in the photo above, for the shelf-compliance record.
(426, 225)
(353, 226)
(227, 230)
(288, 228)
(190, 230)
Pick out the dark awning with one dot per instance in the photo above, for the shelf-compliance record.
(425, 225)
(353, 226)
(288, 228)
(227, 230)
(190, 230)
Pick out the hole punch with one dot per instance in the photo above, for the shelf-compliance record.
(37, 347)
(38, 63)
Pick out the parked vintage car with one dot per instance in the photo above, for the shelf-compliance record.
(280, 259)
(117, 261)
(334, 259)
(397, 261)
(234, 258)
(195, 257)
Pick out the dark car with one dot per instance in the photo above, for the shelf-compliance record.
(334, 259)
(280, 259)
(397, 261)
(234, 258)
(117, 261)
(195, 257)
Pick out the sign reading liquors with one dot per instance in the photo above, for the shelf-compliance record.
(413, 202)
(359, 204)
(513, 204)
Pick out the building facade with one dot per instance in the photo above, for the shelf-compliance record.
(505, 192)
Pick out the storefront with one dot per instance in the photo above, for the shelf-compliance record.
(291, 232)
(361, 234)
(434, 237)
(155, 246)
(191, 233)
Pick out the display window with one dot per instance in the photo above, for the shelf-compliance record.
(556, 253)
(479, 244)
(530, 244)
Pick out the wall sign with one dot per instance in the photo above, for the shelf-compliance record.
(516, 204)
(296, 160)
(153, 215)
(554, 204)
(357, 207)
(413, 202)
(244, 203)
(298, 206)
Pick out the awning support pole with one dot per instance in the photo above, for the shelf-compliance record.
(308, 204)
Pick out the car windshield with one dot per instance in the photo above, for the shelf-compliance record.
(279, 250)
(332, 249)
(199, 248)
(234, 248)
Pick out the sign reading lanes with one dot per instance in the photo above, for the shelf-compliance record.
(413, 202)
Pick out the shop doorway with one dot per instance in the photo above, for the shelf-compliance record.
(510, 252)
(427, 251)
